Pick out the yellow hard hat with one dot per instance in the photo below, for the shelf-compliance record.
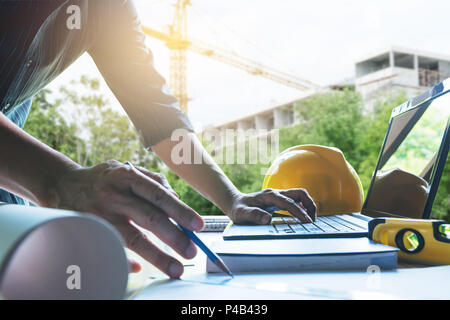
(323, 171)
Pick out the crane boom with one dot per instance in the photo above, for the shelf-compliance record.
(231, 58)
(251, 66)
(178, 42)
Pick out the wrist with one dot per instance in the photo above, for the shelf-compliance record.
(228, 206)
(58, 184)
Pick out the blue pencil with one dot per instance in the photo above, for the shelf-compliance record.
(211, 255)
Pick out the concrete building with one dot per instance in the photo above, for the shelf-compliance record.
(396, 68)
(262, 122)
(389, 69)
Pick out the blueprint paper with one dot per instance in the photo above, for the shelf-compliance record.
(59, 254)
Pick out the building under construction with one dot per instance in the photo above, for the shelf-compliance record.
(390, 69)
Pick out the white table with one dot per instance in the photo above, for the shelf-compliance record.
(407, 282)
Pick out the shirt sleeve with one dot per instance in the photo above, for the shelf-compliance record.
(126, 63)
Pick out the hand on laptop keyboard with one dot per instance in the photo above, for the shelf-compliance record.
(250, 207)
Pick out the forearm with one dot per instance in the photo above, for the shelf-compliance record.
(204, 176)
(28, 167)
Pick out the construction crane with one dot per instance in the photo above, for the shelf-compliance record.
(178, 43)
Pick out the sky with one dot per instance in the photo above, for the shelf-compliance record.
(316, 40)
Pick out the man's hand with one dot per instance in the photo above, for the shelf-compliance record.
(123, 195)
(250, 207)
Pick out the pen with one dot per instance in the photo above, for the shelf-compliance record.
(211, 255)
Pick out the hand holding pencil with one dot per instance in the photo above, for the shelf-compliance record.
(192, 236)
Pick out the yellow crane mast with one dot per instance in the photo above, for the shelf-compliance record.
(178, 42)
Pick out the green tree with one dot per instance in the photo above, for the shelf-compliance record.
(333, 119)
(46, 123)
(98, 133)
(109, 134)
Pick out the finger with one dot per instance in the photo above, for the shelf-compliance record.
(148, 189)
(135, 267)
(273, 197)
(302, 195)
(252, 215)
(152, 218)
(159, 177)
(138, 242)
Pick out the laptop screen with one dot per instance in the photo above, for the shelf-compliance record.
(407, 175)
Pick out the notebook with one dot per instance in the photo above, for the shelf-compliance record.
(293, 255)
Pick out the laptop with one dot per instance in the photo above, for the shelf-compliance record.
(416, 144)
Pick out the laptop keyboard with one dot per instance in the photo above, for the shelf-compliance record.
(323, 224)
(286, 227)
(215, 224)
